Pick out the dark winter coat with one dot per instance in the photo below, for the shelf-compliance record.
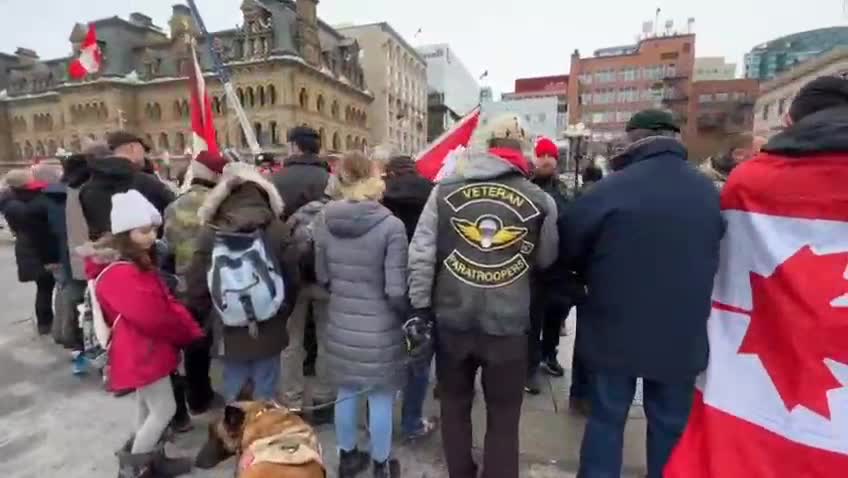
(57, 195)
(36, 245)
(113, 175)
(360, 255)
(405, 196)
(303, 179)
(242, 201)
(558, 285)
(646, 240)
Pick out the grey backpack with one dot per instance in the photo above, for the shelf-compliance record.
(245, 280)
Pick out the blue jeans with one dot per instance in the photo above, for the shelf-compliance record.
(265, 374)
(380, 408)
(667, 407)
(414, 395)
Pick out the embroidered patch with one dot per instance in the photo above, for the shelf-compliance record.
(486, 276)
(505, 196)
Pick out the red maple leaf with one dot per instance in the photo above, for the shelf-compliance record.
(794, 328)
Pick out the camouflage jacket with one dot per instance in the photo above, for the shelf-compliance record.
(182, 225)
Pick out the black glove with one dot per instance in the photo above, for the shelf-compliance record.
(418, 332)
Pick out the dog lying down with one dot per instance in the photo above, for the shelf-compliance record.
(269, 440)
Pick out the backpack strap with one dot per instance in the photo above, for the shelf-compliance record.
(101, 329)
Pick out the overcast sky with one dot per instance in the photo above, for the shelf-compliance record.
(508, 38)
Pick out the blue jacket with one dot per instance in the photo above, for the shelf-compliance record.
(646, 241)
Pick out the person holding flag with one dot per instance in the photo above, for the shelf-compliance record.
(774, 400)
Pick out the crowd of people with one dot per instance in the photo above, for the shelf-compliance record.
(478, 270)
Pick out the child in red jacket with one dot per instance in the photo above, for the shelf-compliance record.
(148, 328)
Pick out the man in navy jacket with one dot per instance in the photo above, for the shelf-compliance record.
(646, 241)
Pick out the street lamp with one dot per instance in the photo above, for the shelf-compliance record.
(576, 134)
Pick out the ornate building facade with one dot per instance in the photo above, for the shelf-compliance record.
(288, 68)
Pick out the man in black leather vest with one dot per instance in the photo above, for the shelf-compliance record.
(481, 235)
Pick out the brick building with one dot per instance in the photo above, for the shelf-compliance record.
(718, 108)
(605, 90)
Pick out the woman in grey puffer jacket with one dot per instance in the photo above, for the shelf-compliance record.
(360, 254)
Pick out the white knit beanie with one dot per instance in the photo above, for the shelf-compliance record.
(131, 210)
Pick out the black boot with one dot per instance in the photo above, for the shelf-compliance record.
(135, 466)
(387, 469)
(166, 467)
(351, 463)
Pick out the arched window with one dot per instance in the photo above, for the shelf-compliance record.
(39, 149)
(261, 93)
(337, 142)
(348, 143)
(347, 113)
(185, 109)
(275, 132)
(257, 129)
(18, 153)
(177, 109)
(334, 109)
(322, 136)
(103, 110)
(251, 99)
(150, 140)
(320, 104)
(240, 93)
(157, 111)
(181, 143)
(51, 147)
(164, 144)
(304, 99)
(27, 150)
(364, 118)
(272, 95)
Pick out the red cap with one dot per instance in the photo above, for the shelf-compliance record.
(213, 162)
(546, 147)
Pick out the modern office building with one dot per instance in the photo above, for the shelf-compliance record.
(538, 114)
(605, 91)
(555, 86)
(397, 76)
(713, 68)
(446, 74)
(768, 60)
(776, 95)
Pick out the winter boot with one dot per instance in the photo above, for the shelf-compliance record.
(166, 467)
(387, 469)
(135, 466)
(351, 463)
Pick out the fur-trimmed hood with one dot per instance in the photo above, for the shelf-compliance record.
(230, 187)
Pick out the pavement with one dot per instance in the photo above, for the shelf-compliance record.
(53, 424)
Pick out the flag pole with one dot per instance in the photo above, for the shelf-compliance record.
(224, 77)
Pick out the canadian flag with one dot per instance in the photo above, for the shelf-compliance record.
(773, 402)
(430, 161)
(204, 137)
(90, 57)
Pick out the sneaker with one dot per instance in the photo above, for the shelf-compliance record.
(552, 367)
(532, 386)
(80, 364)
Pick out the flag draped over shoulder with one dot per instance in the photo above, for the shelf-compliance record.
(773, 401)
(204, 137)
(431, 160)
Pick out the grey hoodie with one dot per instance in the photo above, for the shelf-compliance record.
(360, 255)
(480, 235)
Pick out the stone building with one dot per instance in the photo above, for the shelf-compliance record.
(397, 74)
(288, 67)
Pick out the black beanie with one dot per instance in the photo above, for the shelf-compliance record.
(820, 94)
